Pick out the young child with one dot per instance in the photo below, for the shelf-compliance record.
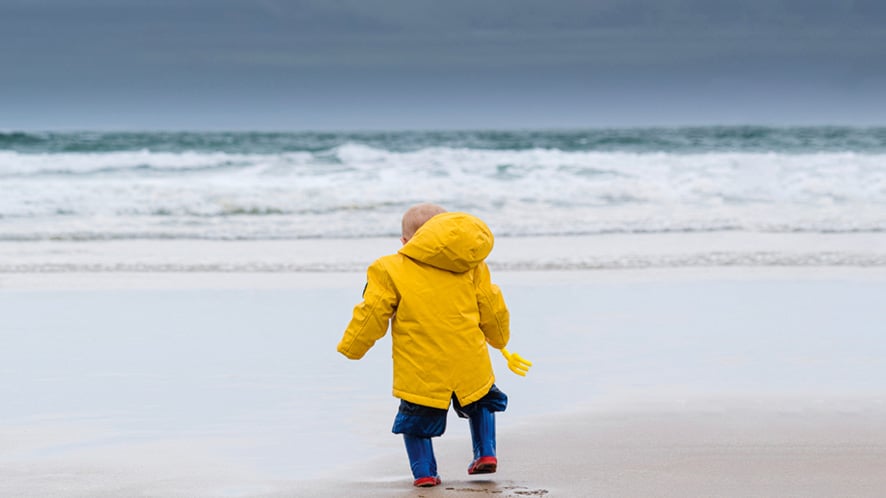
(443, 309)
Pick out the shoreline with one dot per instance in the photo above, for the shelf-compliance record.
(293, 280)
(651, 251)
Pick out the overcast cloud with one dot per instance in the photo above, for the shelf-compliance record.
(364, 64)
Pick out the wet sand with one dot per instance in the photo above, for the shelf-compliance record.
(762, 447)
(690, 382)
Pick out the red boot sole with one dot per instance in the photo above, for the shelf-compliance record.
(483, 465)
(426, 482)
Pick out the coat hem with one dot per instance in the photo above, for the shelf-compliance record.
(443, 404)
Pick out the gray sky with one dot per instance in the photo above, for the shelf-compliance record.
(401, 64)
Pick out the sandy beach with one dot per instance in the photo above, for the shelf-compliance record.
(698, 381)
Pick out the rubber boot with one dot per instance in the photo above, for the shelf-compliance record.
(483, 435)
(422, 461)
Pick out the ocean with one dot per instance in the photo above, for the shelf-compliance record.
(77, 186)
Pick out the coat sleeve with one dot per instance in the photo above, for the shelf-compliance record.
(371, 317)
(494, 315)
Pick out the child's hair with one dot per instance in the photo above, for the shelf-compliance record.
(416, 216)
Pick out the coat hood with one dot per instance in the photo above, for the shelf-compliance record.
(456, 242)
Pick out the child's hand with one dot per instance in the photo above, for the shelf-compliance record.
(516, 363)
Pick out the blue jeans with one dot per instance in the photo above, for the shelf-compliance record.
(424, 421)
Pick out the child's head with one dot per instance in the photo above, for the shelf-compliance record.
(416, 216)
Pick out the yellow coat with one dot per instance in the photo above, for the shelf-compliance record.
(443, 309)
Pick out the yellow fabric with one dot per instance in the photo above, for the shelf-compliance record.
(443, 309)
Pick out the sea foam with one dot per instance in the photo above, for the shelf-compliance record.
(278, 186)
